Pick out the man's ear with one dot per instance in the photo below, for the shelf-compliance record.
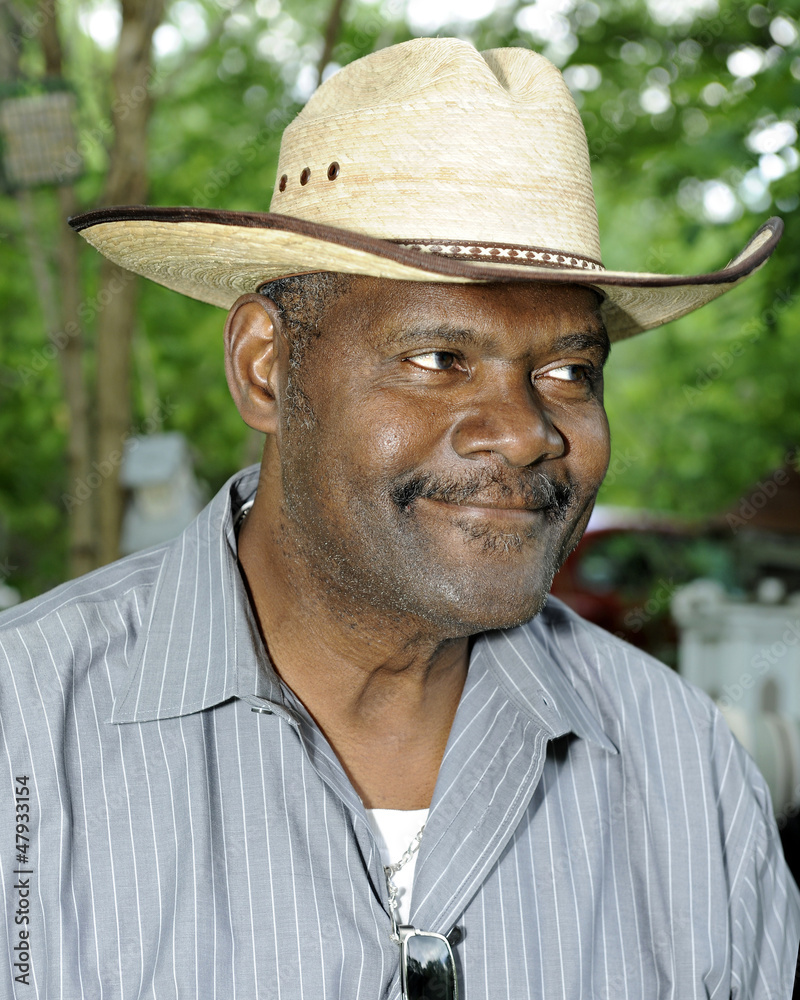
(253, 346)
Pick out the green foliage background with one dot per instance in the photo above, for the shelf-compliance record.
(699, 410)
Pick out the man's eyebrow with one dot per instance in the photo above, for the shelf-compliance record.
(588, 340)
(408, 336)
(457, 336)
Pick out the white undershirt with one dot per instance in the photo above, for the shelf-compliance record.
(394, 830)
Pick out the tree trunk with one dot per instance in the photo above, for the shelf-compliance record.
(69, 342)
(9, 42)
(126, 185)
(331, 35)
(82, 537)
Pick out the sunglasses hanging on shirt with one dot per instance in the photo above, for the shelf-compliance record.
(427, 965)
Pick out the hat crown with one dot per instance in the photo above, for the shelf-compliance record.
(438, 69)
(431, 140)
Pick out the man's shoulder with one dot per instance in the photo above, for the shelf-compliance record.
(661, 723)
(125, 582)
(686, 777)
(75, 621)
(605, 657)
(629, 689)
(108, 584)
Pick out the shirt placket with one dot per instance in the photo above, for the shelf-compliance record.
(324, 763)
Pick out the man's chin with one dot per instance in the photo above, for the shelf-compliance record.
(507, 618)
(464, 611)
(487, 579)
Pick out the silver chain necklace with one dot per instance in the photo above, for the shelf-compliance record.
(391, 870)
(244, 510)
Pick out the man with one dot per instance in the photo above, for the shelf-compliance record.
(229, 753)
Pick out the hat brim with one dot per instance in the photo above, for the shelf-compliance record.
(216, 256)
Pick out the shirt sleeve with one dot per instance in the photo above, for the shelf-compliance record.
(765, 902)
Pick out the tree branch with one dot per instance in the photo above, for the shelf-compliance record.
(331, 35)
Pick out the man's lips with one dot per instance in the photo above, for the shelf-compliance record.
(490, 509)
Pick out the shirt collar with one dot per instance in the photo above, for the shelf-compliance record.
(201, 646)
(543, 666)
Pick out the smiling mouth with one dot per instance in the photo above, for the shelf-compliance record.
(496, 527)
(493, 511)
(489, 495)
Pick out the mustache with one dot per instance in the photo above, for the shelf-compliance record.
(534, 490)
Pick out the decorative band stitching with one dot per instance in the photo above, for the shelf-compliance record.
(504, 254)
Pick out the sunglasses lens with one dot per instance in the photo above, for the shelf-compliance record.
(430, 973)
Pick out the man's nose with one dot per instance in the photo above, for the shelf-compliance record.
(507, 419)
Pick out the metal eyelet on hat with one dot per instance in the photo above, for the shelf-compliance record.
(333, 171)
(305, 176)
(283, 183)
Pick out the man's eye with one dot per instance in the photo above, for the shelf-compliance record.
(435, 361)
(571, 373)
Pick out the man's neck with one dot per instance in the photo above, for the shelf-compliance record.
(383, 689)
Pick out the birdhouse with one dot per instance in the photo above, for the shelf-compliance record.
(38, 139)
(164, 494)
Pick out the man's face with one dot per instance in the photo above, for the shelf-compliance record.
(449, 448)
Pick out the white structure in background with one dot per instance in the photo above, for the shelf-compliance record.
(9, 596)
(746, 655)
(165, 496)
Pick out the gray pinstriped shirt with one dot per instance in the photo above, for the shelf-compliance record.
(595, 831)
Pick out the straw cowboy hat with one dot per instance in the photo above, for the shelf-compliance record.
(425, 161)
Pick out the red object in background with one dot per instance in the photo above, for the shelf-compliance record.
(626, 568)
(604, 608)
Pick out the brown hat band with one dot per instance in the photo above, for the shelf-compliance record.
(503, 253)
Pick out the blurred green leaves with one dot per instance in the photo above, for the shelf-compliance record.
(678, 109)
